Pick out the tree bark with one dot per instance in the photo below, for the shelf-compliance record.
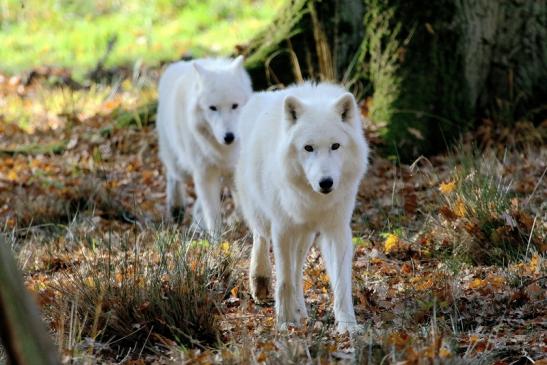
(22, 332)
(309, 39)
(433, 68)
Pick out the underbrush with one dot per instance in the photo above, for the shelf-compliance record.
(144, 297)
(483, 219)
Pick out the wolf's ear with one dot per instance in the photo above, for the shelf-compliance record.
(237, 62)
(201, 71)
(345, 107)
(293, 108)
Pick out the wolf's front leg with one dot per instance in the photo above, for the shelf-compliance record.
(207, 184)
(286, 306)
(176, 198)
(303, 246)
(337, 250)
(235, 217)
(260, 268)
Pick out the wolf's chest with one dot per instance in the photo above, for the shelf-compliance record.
(309, 209)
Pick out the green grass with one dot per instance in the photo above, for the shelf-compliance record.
(75, 33)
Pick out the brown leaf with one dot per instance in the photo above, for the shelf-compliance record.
(406, 268)
(399, 339)
(448, 213)
(410, 200)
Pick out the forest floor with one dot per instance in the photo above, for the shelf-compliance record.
(449, 262)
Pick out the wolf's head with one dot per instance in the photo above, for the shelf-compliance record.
(324, 137)
(222, 92)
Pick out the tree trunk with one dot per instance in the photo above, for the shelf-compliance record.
(433, 68)
(22, 332)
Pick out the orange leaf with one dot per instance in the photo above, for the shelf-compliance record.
(477, 284)
(391, 243)
(534, 263)
(261, 357)
(110, 105)
(399, 339)
(496, 281)
(407, 269)
(473, 338)
(12, 175)
(459, 208)
(425, 284)
(447, 188)
(234, 291)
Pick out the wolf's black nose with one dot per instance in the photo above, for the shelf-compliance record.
(229, 138)
(326, 185)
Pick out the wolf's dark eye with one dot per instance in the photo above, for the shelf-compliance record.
(234, 106)
(308, 148)
(213, 108)
(335, 146)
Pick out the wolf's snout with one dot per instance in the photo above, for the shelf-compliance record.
(326, 185)
(229, 138)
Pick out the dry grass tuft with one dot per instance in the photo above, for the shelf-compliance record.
(481, 215)
(136, 299)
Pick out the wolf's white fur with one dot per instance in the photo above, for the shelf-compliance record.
(192, 136)
(278, 186)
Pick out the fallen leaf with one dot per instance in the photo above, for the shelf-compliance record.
(391, 243)
(477, 284)
(234, 291)
(459, 208)
(399, 339)
(447, 188)
(410, 201)
(448, 213)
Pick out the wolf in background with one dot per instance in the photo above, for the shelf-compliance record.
(198, 109)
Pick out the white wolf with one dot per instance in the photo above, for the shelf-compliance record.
(198, 108)
(302, 157)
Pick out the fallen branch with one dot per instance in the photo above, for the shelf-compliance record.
(99, 72)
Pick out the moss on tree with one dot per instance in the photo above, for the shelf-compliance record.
(433, 68)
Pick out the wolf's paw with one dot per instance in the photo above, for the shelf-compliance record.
(176, 214)
(290, 318)
(294, 320)
(285, 326)
(260, 289)
(234, 219)
(350, 327)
